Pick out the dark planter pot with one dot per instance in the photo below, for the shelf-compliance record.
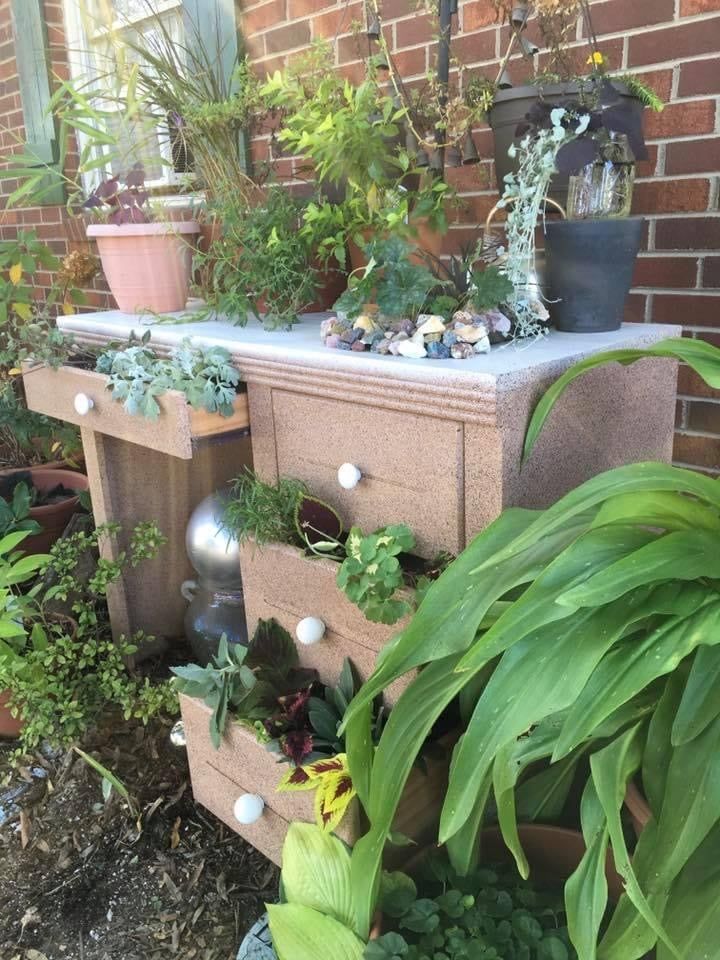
(510, 109)
(589, 270)
(53, 518)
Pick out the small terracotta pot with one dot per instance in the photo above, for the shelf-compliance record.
(10, 726)
(54, 517)
(147, 265)
(425, 237)
(638, 808)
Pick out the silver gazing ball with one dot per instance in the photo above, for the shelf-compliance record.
(213, 551)
(177, 735)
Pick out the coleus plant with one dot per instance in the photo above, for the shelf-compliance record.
(122, 204)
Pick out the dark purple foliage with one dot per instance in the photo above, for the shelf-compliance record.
(126, 205)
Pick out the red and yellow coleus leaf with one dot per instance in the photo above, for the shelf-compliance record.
(331, 780)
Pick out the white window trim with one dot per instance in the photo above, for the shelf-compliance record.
(82, 66)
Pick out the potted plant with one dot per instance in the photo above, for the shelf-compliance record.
(147, 263)
(616, 580)
(50, 497)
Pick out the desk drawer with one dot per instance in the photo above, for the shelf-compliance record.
(55, 393)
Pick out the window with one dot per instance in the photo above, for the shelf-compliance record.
(103, 37)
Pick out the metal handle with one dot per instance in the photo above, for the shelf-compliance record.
(310, 631)
(511, 200)
(188, 589)
(349, 476)
(248, 808)
(83, 404)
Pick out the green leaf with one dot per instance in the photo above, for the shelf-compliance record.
(397, 893)
(586, 891)
(301, 933)
(700, 704)
(703, 357)
(316, 872)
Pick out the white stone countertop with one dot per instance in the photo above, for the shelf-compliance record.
(504, 366)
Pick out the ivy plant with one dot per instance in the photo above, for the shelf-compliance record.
(137, 376)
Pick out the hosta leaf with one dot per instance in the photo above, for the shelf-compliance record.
(316, 872)
(301, 933)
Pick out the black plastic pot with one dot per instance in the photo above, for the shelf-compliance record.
(509, 111)
(589, 270)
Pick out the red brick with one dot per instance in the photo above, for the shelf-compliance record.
(660, 81)
(699, 451)
(693, 156)
(411, 63)
(711, 272)
(304, 8)
(616, 16)
(476, 14)
(353, 48)
(419, 29)
(336, 22)
(671, 196)
(681, 120)
(471, 48)
(288, 37)
(262, 17)
(690, 7)
(665, 272)
(635, 308)
(696, 233)
(577, 56)
(690, 384)
(704, 417)
(693, 311)
(673, 43)
(699, 77)
(393, 9)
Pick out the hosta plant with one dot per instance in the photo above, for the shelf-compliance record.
(574, 629)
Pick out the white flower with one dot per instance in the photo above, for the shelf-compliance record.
(583, 125)
(557, 115)
(512, 152)
(558, 134)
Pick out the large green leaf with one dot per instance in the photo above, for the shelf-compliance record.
(463, 848)
(633, 665)
(456, 604)
(612, 768)
(301, 933)
(316, 872)
(692, 915)
(700, 704)
(681, 555)
(666, 511)
(586, 891)
(658, 746)
(543, 796)
(690, 810)
(408, 726)
(538, 676)
(701, 356)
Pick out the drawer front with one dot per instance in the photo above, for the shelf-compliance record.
(215, 791)
(412, 466)
(55, 393)
(326, 656)
(306, 587)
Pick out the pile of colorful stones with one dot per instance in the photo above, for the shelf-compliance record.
(430, 336)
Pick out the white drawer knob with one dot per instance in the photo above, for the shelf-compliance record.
(310, 630)
(248, 808)
(83, 404)
(348, 476)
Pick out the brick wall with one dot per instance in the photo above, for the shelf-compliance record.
(52, 223)
(675, 44)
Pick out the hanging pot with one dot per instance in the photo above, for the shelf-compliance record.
(589, 270)
(510, 108)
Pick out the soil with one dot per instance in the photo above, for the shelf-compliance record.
(83, 878)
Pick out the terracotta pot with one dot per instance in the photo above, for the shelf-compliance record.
(638, 808)
(427, 239)
(54, 517)
(10, 726)
(332, 282)
(147, 265)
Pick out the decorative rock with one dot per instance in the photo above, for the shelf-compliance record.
(497, 322)
(382, 347)
(470, 334)
(437, 350)
(462, 317)
(432, 337)
(365, 323)
(430, 324)
(333, 340)
(462, 351)
(344, 346)
(407, 326)
(418, 337)
(408, 348)
(399, 337)
(350, 336)
(483, 346)
(326, 327)
(358, 346)
(449, 338)
(395, 348)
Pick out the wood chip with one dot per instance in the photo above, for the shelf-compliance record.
(175, 834)
(25, 828)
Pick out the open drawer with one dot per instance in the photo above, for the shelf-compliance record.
(81, 397)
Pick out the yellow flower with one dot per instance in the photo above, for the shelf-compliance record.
(16, 273)
(596, 60)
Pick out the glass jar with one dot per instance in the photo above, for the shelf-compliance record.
(213, 610)
(604, 188)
